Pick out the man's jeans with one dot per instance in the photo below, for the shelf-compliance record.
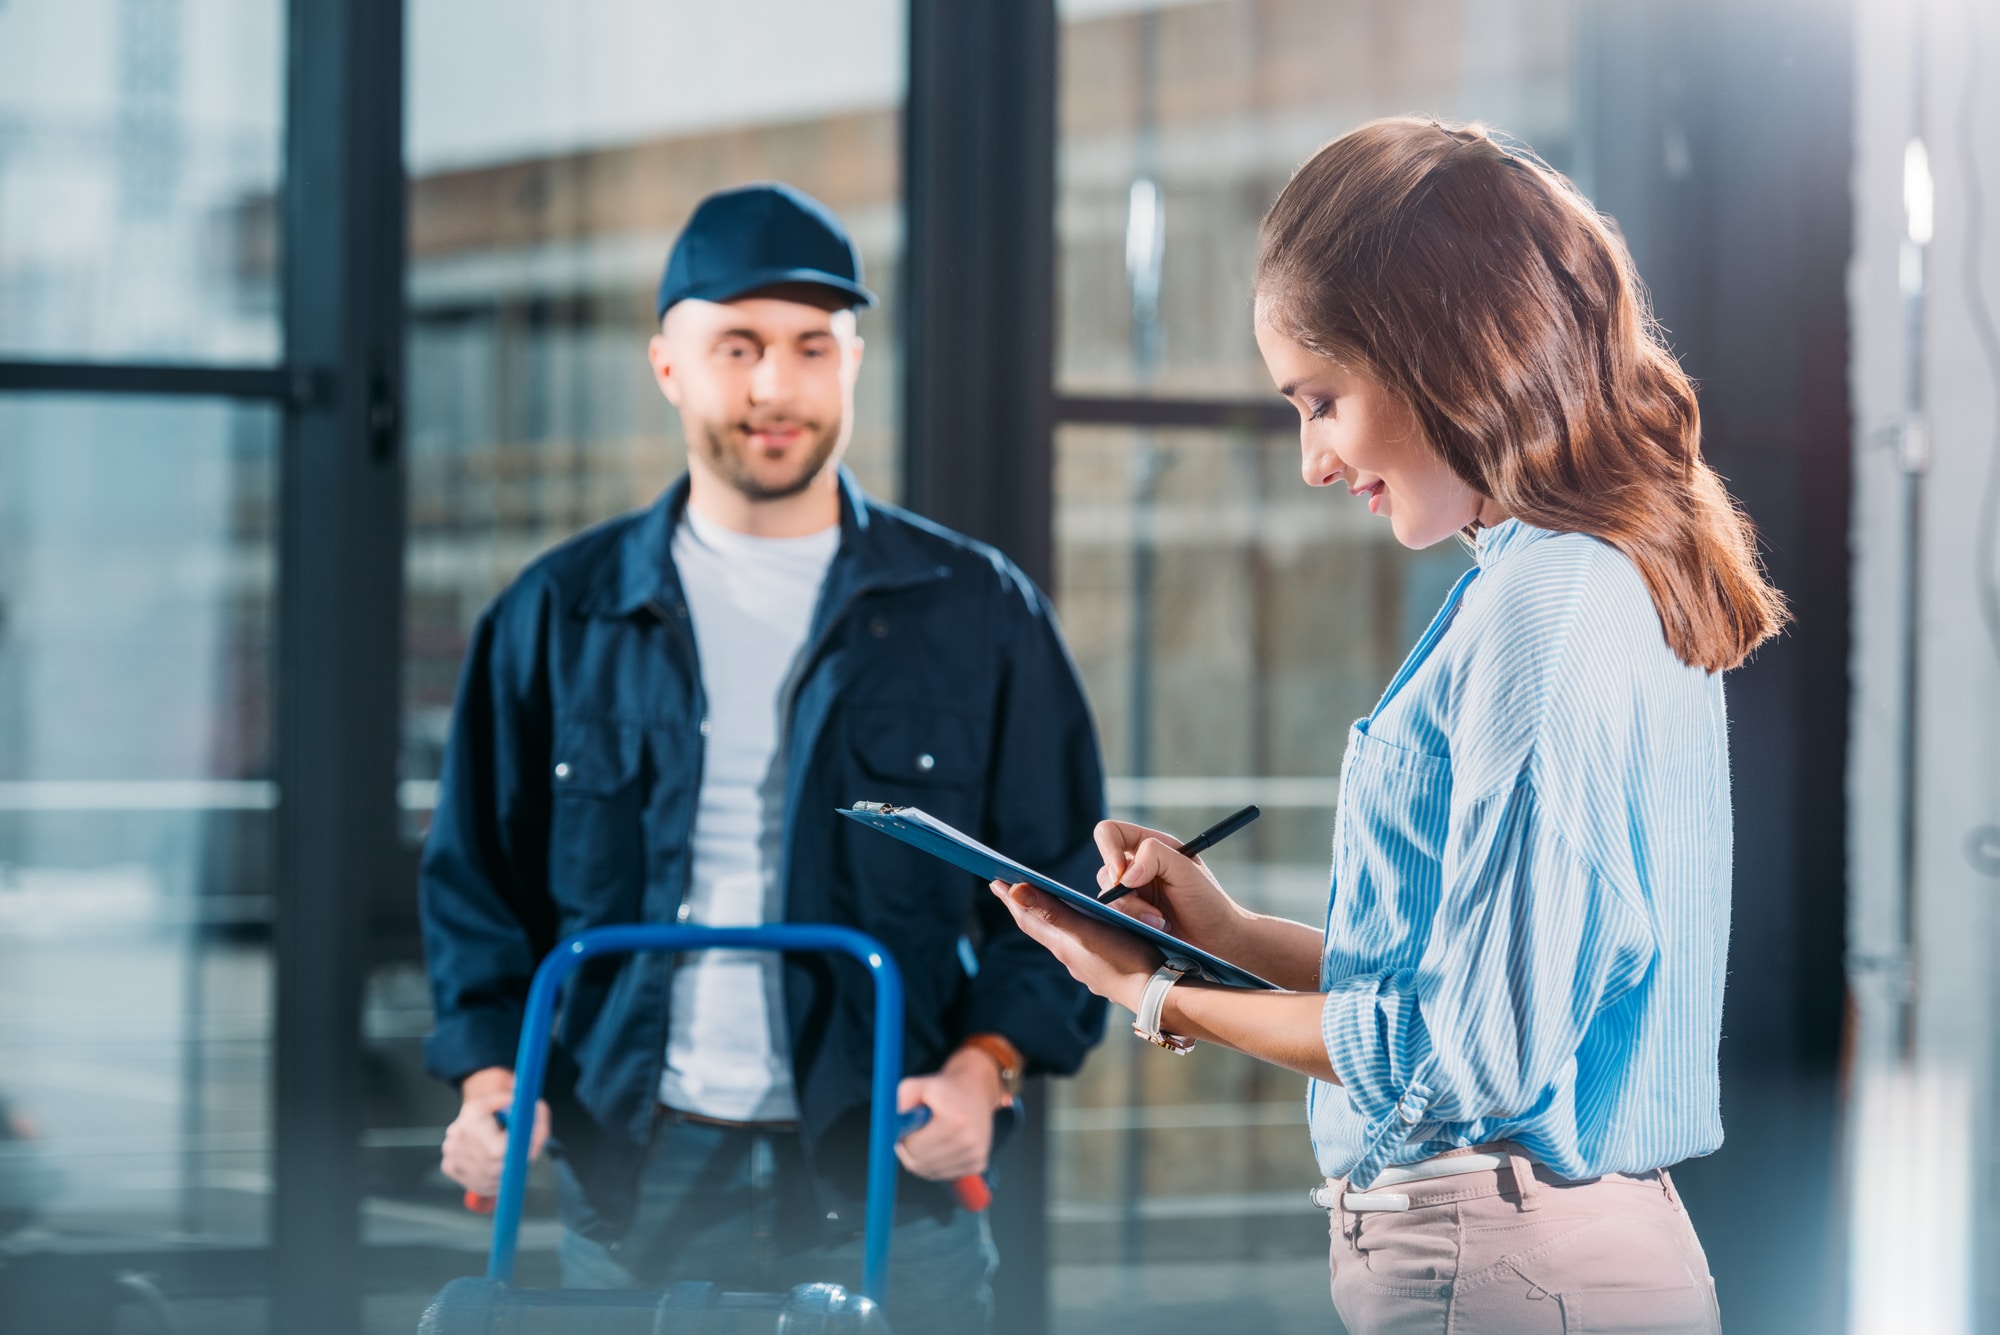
(735, 1207)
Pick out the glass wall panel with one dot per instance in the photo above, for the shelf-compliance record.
(1231, 623)
(139, 154)
(136, 794)
(1181, 121)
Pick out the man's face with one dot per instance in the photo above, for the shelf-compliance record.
(765, 388)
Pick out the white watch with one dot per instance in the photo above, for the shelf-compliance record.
(1147, 1024)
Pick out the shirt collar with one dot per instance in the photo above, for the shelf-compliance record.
(639, 568)
(1496, 540)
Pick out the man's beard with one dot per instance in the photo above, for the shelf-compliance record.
(719, 448)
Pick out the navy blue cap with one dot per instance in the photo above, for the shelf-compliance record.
(760, 236)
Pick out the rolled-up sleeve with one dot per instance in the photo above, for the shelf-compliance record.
(1530, 945)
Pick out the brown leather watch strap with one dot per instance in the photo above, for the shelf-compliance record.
(1005, 1056)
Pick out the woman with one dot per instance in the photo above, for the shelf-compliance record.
(1512, 1012)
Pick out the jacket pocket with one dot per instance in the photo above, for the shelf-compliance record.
(923, 757)
(595, 759)
(918, 747)
(597, 836)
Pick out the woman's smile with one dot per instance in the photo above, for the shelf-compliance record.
(1354, 430)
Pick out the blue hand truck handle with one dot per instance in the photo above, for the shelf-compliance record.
(531, 1062)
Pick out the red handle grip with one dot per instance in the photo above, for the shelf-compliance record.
(475, 1202)
(971, 1190)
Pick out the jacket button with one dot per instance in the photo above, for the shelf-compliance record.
(562, 770)
(927, 762)
(704, 727)
(879, 628)
(685, 912)
(833, 1216)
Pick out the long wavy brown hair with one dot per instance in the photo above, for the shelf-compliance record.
(1477, 283)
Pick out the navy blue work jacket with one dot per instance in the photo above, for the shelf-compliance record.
(933, 675)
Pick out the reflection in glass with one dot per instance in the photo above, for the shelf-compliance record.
(136, 585)
(139, 151)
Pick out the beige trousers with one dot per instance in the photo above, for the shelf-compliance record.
(1478, 1255)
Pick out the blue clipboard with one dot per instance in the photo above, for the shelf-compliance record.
(921, 830)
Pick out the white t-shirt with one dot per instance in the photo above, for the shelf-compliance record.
(751, 601)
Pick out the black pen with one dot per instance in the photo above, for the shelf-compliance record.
(1194, 847)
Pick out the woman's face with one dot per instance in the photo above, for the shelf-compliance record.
(1353, 431)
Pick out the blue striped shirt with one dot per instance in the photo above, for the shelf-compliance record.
(1526, 934)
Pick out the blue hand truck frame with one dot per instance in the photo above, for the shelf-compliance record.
(531, 1062)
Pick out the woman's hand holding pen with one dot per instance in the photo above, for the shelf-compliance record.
(1169, 890)
(1174, 893)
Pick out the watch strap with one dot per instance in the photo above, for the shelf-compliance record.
(1012, 1065)
(1147, 1023)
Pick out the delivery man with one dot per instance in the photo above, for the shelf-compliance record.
(656, 722)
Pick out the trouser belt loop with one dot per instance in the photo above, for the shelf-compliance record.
(1525, 1185)
(1350, 1220)
(1667, 1185)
